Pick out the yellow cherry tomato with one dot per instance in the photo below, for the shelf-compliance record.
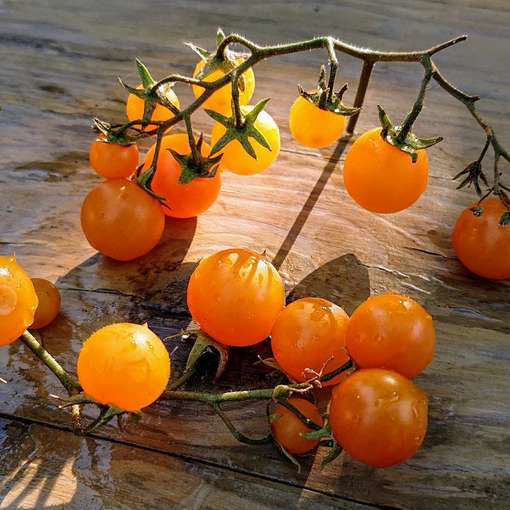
(221, 100)
(18, 300)
(313, 127)
(236, 159)
(49, 303)
(135, 107)
(124, 365)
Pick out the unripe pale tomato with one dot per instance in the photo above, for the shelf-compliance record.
(288, 429)
(135, 107)
(221, 100)
(121, 220)
(314, 127)
(49, 303)
(184, 200)
(391, 331)
(18, 300)
(124, 365)
(236, 159)
(481, 243)
(382, 178)
(378, 417)
(309, 338)
(113, 161)
(235, 295)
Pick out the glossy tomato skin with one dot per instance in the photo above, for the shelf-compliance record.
(314, 127)
(391, 331)
(124, 365)
(121, 220)
(481, 243)
(235, 296)
(379, 417)
(288, 429)
(382, 178)
(135, 107)
(221, 100)
(49, 303)
(184, 200)
(113, 161)
(309, 338)
(236, 159)
(18, 300)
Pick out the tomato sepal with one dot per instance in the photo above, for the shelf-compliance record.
(323, 433)
(107, 133)
(411, 144)
(474, 175)
(319, 98)
(333, 453)
(243, 133)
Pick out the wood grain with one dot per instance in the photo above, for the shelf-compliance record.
(58, 66)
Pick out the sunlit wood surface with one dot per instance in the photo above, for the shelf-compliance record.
(58, 66)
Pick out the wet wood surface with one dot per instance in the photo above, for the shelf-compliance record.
(58, 68)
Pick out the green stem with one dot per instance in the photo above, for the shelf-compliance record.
(68, 381)
(191, 139)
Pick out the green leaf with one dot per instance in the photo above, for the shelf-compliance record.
(146, 77)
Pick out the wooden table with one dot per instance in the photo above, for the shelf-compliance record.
(58, 66)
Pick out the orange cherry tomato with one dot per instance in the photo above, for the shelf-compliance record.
(382, 178)
(124, 365)
(391, 331)
(288, 429)
(221, 100)
(379, 417)
(314, 127)
(236, 159)
(113, 161)
(235, 295)
(121, 220)
(481, 243)
(18, 300)
(308, 338)
(135, 107)
(184, 200)
(49, 303)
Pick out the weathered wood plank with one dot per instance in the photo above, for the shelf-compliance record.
(58, 65)
(41, 467)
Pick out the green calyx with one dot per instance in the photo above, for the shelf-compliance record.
(225, 62)
(326, 99)
(242, 133)
(194, 165)
(108, 133)
(150, 96)
(473, 175)
(410, 144)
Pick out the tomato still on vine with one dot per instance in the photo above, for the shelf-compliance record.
(184, 200)
(18, 300)
(382, 178)
(379, 417)
(124, 365)
(121, 220)
(481, 243)
(49, 303)
(235, 296)
(113, 161)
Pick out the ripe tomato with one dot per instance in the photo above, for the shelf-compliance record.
(113, 161)
(481, 243)
(235, 295)
(135, 107)
(382, 178)
(121, 220)
(391, 331)
(310, 334)
(184, 200)
(49, 303)
(288, 429)
(18, 300)
(124, 365)
(221, 100)
(314, 127)
(236, 159)
(378, 416)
